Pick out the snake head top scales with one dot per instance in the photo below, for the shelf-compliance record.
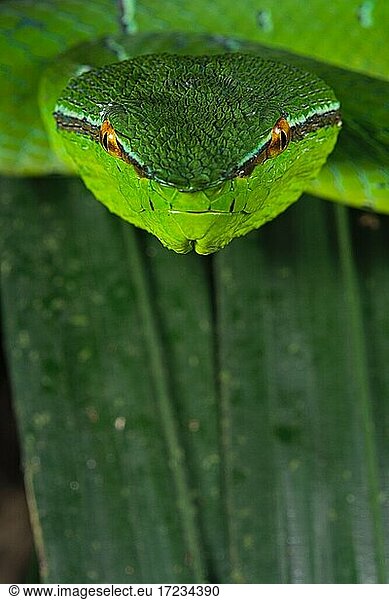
(197, 149)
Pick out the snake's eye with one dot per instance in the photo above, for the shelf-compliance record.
(108, 140)
(280, 138)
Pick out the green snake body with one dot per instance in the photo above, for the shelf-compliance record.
(194, 117)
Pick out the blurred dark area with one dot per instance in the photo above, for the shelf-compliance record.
(15, 533)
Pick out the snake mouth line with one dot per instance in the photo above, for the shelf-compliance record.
(207, 212)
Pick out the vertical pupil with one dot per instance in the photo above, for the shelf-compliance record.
(105, 140)
(283, 139)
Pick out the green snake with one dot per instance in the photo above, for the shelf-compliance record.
(198, 136)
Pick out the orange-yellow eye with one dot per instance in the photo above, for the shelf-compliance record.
(280, 138)
(108, 140)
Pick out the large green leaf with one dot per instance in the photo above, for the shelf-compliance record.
(186, 418)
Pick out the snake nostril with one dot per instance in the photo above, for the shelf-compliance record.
(232, 206)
